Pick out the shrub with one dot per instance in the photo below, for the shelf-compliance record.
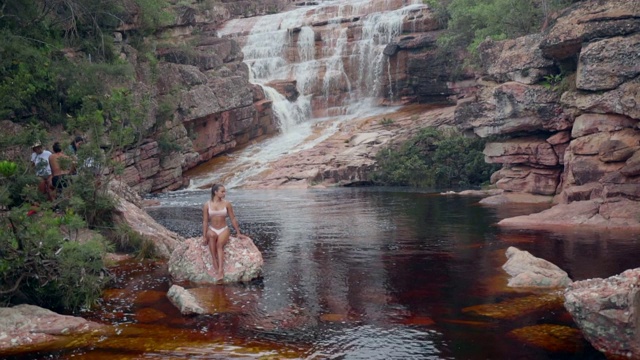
(40, 266)
(434, 158)
(469, 22)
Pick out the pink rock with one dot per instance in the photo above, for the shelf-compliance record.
(607, 312)
(191, 261)
(529, 271)
(31, 325)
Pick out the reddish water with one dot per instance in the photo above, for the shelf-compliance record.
(359, 274)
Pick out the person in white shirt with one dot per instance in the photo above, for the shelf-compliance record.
(40, 160)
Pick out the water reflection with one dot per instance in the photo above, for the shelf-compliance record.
(361, 274)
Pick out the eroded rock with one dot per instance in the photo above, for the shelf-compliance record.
(191, 261)
(529, 271)
(608, 312)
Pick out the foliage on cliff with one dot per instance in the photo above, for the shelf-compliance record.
(469, 22)
(59, 66)
(434, 158)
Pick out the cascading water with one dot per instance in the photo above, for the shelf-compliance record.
(332, 52)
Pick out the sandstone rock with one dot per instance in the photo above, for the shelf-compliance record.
(613, 214)
(608, 312)
(605, 64)
(587, 21)
(134, 216)
(191, 261)
(587, 124)
(526, 179)
(523, 108)
(518, 307)
(521, 151)
(517, 59)
(31, 325)
(632, 165)
(527, 270)
(515, 198)
(615, 151)
(184, 301)
(622, 100)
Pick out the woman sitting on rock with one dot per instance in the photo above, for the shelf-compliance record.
(215, 231)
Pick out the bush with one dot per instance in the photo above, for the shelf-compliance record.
(38, 265)
(434, 158)
(469, 22)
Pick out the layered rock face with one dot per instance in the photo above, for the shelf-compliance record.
(201, 101)
(566, 102)
(337, 54)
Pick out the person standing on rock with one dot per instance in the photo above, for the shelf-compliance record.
(215, 232)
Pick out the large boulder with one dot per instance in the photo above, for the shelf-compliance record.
(191, 261)
(608, 312)
(128, 211)
(529, 271)
(33, 326)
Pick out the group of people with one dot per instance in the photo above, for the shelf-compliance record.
(54, 169)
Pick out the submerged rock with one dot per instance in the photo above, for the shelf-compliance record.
(608, 312)
(529, 271)
(550, 337)
(191, 261)
(518, 307)
(30, 326)
(184, 300)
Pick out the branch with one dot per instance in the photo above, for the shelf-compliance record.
(15, 287)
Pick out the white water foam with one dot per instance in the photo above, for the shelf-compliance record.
(267, 49)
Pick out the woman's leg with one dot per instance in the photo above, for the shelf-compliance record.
(223, 238)
(213, 237)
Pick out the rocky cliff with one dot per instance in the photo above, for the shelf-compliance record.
(202, 103)
(565, 104)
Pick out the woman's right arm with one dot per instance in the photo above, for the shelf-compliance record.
(205, 223)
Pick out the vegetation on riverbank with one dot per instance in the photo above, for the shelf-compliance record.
(434, 158)
(59, 69)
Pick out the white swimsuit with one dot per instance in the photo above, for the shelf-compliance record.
(222, 212)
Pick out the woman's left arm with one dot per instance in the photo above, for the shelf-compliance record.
(234, 221)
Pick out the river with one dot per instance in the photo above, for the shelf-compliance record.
(358, 273)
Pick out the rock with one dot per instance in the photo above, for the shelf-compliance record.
(613, 214)
(608, 312)
(527, 179)
(138, 220)
(516, 198)
(31, 325)
(191, 261)
(550, 337)
(517, 59)
(529, 271)
(605, 64)
(184, 301)
(587, 21)
(518, 307)
(622, 100)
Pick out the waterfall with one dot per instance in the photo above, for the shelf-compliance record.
(333, 50)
